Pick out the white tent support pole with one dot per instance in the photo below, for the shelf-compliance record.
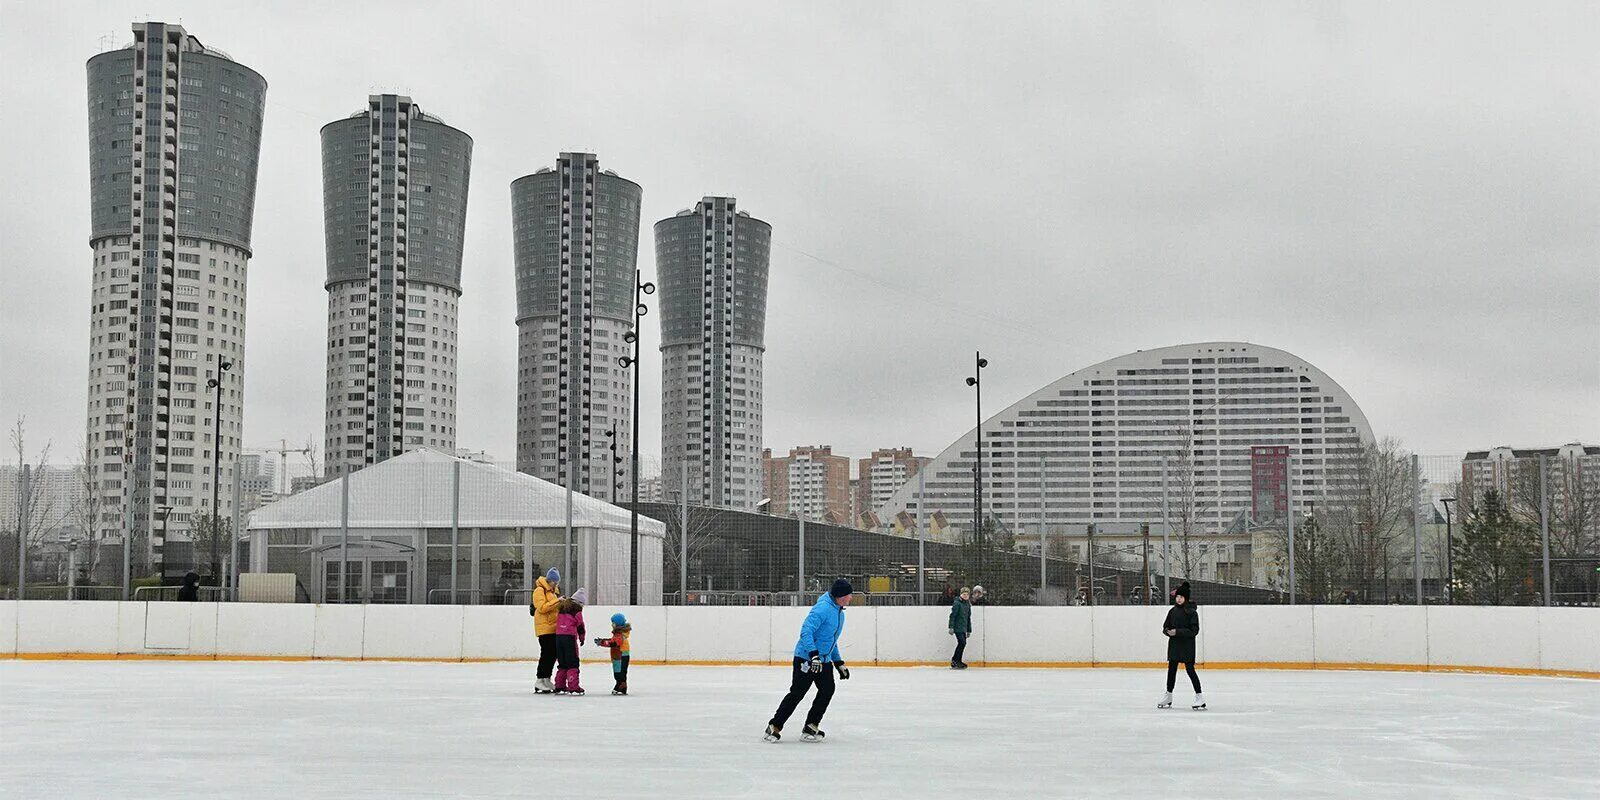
(683, 533)
(455, 531)
(238, 531)
(344, 537)
(566, 566)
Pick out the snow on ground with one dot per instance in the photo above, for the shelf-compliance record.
(342, 730)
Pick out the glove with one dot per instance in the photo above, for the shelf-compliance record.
(531, 611)
(844, 671)
(952, 631)
(597, 642)
(815, 664)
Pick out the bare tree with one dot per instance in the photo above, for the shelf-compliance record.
(86, 510)
(1366, 496)
(701, 523)
(1185, 506)
(1574, 503)
(310, 452)
(37, 514)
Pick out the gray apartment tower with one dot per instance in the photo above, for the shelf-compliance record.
(712, 262)
(174, 136)
(394, 187)
(576, 231)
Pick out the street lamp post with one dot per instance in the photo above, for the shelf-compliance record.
(641, 287)
(1449, 554)
(223, 365)
(976, 382)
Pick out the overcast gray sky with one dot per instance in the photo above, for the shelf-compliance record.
(1405, 195)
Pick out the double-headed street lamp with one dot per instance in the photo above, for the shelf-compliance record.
(223, 365)
(616, 463)
(976, 382)
(641, 287)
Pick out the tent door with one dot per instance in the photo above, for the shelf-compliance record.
(367, 580)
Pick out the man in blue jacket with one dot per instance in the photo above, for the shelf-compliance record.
(816, 655)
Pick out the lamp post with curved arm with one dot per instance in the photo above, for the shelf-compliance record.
(223, 365)
(641, 287)
(976, 382)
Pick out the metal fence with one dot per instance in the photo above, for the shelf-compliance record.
(1518, 527)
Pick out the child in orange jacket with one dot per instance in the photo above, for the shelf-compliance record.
(618, 642)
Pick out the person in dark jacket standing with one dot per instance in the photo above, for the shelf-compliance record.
(816, 657)
(189, 592)
(960, 626)
(1181, 628)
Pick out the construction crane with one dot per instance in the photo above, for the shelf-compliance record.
(283, 450)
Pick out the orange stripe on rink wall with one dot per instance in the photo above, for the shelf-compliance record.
(1228, 665)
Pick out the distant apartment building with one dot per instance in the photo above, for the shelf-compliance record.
(258, 480)
(56, 495)
(575, 229)
(650, 491)
(1572, 477)
(711, 263)
(877, 478)
(810, 482)
(1269, 482)
(394, 183)
(174, 143)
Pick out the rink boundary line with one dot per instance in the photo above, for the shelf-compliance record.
(1226, 665)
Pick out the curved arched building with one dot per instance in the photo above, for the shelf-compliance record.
(712, 262)
(394, 187)
(576, 233)
(1222, 419)
(174, 139)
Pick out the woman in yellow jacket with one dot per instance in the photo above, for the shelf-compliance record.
(545, 607)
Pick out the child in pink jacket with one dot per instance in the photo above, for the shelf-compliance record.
(569, 632)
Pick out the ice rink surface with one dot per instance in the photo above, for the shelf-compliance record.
(342, 730)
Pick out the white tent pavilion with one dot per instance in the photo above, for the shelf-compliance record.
(426, 527)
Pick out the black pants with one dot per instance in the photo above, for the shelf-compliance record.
(801, 682)
(1172, 675)
(566, 651)
(961, 647)
(619, 670)
(548, 650)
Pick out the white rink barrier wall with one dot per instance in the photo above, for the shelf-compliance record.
(1556, 641)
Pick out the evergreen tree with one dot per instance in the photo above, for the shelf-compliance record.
(1494, 553)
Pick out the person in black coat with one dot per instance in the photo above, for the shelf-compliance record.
(1181, 627)
(190, 591)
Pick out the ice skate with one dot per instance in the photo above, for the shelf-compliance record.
(1166, 700)
(543, 686)
(620, 689)
(812, 733)
(1199, 702)
(773, 734)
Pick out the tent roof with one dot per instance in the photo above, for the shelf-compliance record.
(414, 491)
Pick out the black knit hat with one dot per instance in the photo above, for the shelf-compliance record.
(1183, 589)
(841, 587)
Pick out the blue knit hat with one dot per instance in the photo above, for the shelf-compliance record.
(617, 620)
(553, 576)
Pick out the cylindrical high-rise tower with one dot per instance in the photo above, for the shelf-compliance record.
(712, 262)
(394, 185)
(576, 232)
(174, 137)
